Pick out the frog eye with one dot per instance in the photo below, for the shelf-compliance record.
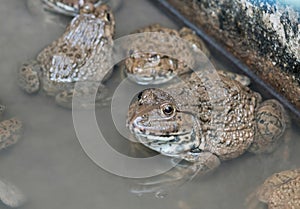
(168, 109)
(154, 58)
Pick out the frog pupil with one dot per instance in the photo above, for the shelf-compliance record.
(168, 110)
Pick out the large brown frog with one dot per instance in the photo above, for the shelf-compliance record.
(205, 124)
(279, 191)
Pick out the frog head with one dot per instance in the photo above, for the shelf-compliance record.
(158, 122)
(150, 67)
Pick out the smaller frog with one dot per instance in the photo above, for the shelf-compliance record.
(81, 54)
(155, 68)
(279, 191)
(10, 130)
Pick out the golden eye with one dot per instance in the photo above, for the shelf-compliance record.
(168, 109)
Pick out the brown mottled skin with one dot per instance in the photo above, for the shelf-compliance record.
(10, 130)
(279, 191)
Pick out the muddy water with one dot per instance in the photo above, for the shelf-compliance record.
(49, 164)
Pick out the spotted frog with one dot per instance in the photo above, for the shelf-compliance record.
(281, 190)
(205, 119)
(81, 54)
(10, 130)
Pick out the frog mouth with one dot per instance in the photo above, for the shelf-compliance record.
(148, 79)
(176, 137)
(169, 145)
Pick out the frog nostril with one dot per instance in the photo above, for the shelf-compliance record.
(108, 17)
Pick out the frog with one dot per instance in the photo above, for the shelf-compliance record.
(81, 55)
(10, 130)
(280, 190)
(186, 121)
(146, 66)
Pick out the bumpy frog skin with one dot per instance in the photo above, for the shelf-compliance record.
(82, 53)
(10, 130)
(154, 68)
(180, 122)
(279, 191)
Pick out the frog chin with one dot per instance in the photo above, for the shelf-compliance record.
(149, 79)
(171, 145)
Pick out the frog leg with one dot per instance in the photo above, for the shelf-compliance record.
(286, 195)
(28, 77)
(198, 165)
(244, 80)
(271, 122)
(83, 97)
(10, 132)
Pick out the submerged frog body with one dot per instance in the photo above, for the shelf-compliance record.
(279, 191)
(11, 195)
(187, 121)
(10, 130)
(147, 66)
(10, 133)
(81, 54)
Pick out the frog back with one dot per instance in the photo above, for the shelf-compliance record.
(225, 113)
(232, 124)
(81, 53)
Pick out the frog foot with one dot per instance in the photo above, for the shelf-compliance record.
(271, 122)
(28, 77)
(181, 173)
